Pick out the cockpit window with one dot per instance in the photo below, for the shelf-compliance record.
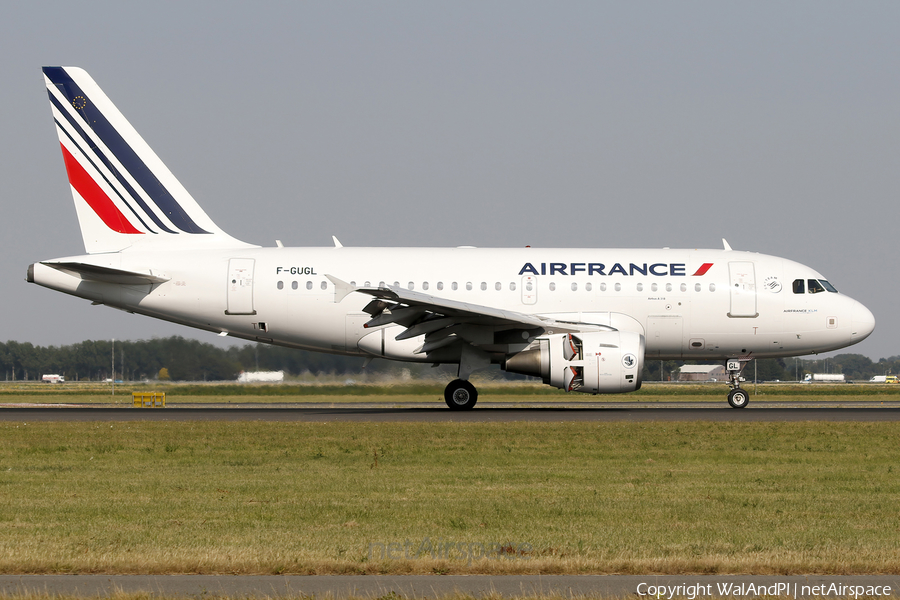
(814, 286)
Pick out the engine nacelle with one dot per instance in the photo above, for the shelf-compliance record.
(603, 362)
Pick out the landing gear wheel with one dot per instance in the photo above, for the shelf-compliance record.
(738, 398)
(460, 395)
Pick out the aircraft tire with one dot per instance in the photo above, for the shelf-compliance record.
(460, 395)
(738, 398)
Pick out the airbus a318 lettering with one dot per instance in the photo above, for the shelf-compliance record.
(583, 320)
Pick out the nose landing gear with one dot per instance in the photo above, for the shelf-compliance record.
(737, 397)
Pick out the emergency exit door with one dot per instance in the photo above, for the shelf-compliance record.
(240, 287)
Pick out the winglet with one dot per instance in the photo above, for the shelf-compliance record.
(725, 244)
(341, 288)
(337, 243)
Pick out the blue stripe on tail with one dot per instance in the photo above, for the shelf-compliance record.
(84, 140)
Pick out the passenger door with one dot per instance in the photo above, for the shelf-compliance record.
(240, 287)
(742, 283)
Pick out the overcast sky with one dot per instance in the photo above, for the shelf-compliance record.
(775, 125)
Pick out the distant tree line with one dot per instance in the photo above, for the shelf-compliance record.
(192, 360)
(183, 360)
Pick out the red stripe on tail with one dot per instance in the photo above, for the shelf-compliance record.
(88, 189)
(702, 270)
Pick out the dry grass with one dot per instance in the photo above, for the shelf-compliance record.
(319, 498)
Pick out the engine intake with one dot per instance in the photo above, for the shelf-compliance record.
(603, 362)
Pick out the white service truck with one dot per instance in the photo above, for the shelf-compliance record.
(824, 377)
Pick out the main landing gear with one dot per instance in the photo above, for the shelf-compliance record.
(737, 397)
(460, 395)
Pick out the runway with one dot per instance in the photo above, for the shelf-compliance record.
(486, 413)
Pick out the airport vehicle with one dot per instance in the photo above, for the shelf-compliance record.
(261, 377)
(53, 378)
(581, 319)
(824, 377)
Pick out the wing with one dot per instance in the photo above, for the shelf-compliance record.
(446, 322)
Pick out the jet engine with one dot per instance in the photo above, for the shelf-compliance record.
(603, 362)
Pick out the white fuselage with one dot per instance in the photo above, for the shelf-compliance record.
(689, 304)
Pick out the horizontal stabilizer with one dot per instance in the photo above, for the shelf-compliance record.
(106, 274)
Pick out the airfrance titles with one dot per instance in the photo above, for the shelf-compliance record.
(601, 270)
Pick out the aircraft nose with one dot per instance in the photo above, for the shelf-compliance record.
(862, 323)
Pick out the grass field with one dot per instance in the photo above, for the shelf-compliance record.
(255, 497)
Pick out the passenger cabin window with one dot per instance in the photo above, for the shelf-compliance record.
(814, 286)
(799, 286)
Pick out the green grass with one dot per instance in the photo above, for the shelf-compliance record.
(255, 497)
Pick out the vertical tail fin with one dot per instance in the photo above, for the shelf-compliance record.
(124, 195)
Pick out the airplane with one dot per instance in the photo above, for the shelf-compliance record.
(583, 320)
